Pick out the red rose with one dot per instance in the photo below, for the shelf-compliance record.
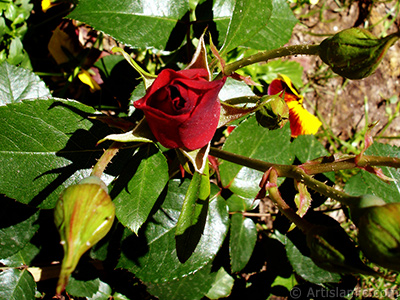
(182, 108)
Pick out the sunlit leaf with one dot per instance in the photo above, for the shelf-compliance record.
(252, 140)
(17, 284)
(137, 23)
(46, 145)
(138, 186)
(17, 84)
(154, 249)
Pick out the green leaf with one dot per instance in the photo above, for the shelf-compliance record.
(278, 29)
(303, 265)
(191, 287)
(251, 140)
(82, 288)
(17, 84)
(356, 186)
(152, 256)
(137, 23)
(222, 286)
(139, 185)
(307, 147)
(46, 145)
(366, 183)
(243, 238)
(269, 71)
(248, 18)
(103, 293)
(240, 204)
(234, 89)
(17, 284)
(18, 224)
(22, 257)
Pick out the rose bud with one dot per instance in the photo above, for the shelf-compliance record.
(274, 114)
(355, 53)
(332, 249)
(379, 234)
(182, 108)
(83, 215)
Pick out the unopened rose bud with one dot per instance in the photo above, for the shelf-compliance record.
(379, 234)
(332, 249)
(83, 215)
(274, 114)
(355, 53)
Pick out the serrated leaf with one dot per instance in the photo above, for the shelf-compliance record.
(152, 256)
(17, 284)
(366, 183)
(18, 224)
(46, 145)
(251, 140)
(243, 238)
(234, 89)
(139, 185)
(222, 286)
(103, 293)
(17, 84)
(240, 204)
(272, 69)
(191, 287)
(307, 147)
(356, 185)
(278, 29)
(22, 257)
(82, 287)
(137, 23)
(390, 192)
(242, 26)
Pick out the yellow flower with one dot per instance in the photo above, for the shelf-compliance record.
(87, 79)
(301, 121)
(46, 4)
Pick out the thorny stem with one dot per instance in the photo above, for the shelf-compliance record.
(302, 173)
(229, 69)
(105, 159)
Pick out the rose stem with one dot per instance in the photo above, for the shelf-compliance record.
(270, 54)
(105, 159)
(276, 197)
(302, 172)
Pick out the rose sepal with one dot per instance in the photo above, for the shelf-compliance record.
(236, 108)
(140, 134)
(199, 59)
(148, 78)
(197, 158)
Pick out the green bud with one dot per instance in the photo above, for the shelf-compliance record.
(379, 234)
(355, 53)
(274, 114)
(332, 249)
(83, 215)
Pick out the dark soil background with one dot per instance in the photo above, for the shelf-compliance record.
(340, 101)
